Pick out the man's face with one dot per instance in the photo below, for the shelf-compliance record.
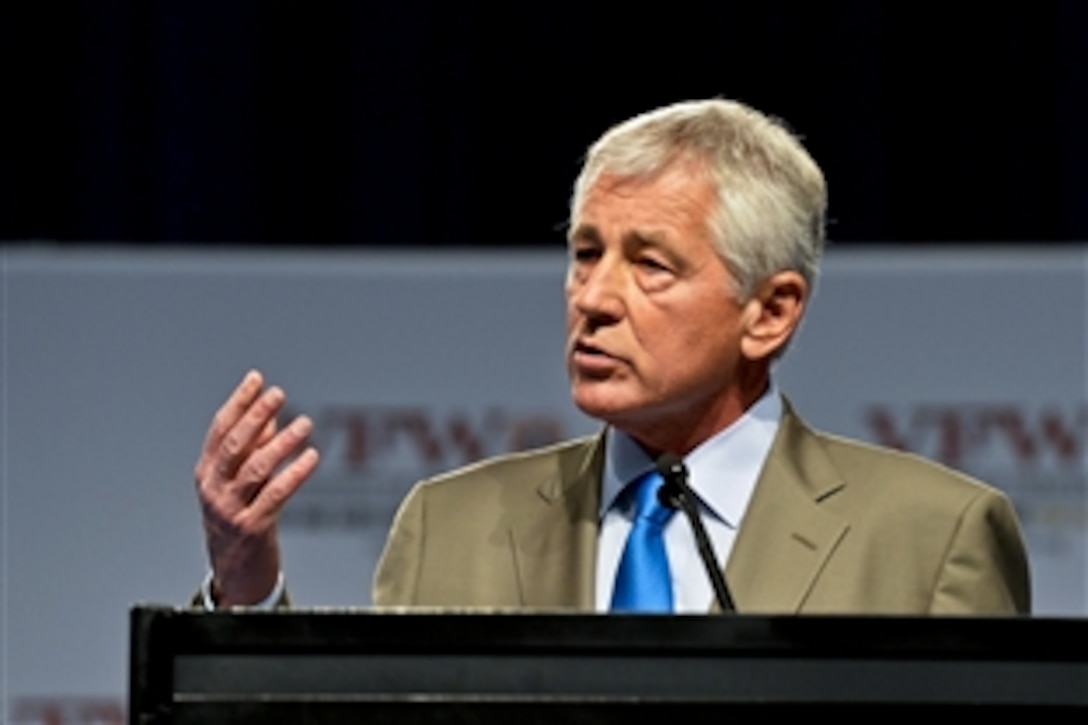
(653, 329)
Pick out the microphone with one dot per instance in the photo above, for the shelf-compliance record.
(676, 494)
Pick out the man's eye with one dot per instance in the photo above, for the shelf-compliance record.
(585, 254)
(653, 264)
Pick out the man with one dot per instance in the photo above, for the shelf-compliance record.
(696, 232)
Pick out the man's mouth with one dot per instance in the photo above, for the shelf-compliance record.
(593, 360)
(587, 349)
(585, 346)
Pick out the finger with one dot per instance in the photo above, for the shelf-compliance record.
(267, 434)
(262, 463)
(272, 497)
(232, 410)
(240, 441)
(224, 419)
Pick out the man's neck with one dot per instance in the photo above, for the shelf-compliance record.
(684, 432)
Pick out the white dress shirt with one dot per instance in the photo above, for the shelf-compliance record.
(722, 472)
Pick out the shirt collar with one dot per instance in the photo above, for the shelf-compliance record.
(723, 469)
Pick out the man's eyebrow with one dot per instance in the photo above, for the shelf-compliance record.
(585, 233)
(649, 238)
(633, 240)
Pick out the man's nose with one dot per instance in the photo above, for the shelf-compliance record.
(600, 294)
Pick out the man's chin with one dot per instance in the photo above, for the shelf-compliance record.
(602, 404)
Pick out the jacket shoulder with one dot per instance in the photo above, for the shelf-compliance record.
(860, 461)
(916, 535)
(524, 467)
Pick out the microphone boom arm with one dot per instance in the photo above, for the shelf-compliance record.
(676, 492)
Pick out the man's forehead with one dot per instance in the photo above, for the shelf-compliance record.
(652, 207)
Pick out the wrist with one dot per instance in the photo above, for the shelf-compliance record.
(214, 599)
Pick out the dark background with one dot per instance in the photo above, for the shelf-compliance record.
(459, 123)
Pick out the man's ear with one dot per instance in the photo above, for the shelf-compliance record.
(772, 314)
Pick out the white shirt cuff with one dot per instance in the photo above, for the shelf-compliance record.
(267, 603)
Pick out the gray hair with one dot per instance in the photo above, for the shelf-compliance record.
(771, 194)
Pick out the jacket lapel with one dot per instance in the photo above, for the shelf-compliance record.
(784, 541)
(554, 531)
(786, 537)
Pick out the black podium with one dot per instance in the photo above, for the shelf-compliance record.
(326, 666)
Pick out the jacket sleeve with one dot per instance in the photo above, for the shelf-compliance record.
(397, 575)
(985, 568)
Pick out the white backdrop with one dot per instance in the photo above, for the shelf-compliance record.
(113, 361)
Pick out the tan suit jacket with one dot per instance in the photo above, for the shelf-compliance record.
(834, 526)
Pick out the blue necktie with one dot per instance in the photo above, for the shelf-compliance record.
(643, 583)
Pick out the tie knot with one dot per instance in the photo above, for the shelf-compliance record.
(647, 504)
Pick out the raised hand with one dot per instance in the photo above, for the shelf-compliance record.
(247, 471)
